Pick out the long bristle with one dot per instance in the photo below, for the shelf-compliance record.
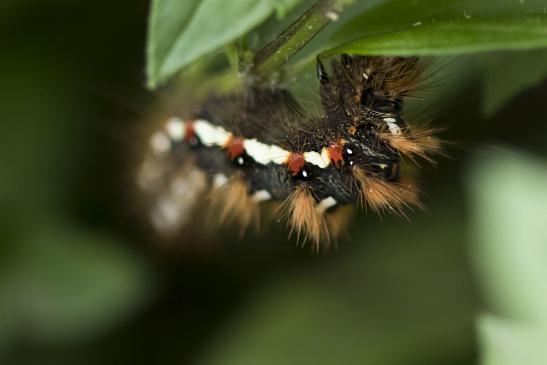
(415, 142)
(396, 77)
(302, 216)
(234, 204)
(383, 195)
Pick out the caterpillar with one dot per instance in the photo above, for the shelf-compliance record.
(262, 145)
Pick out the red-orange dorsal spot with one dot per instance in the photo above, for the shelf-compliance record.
(235, 147)
(190, 132)
(335, 153)
(295, 163)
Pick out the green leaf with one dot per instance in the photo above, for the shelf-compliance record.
(67, 284)
(433, 27)
(509, 250)
(509, 215)
(501, 83)
(283, 7)
(168, 19)
(182, 31)
(510, 342)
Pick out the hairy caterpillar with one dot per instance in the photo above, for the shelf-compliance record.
(260, 145)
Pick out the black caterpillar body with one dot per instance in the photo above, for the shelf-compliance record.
(261, 145)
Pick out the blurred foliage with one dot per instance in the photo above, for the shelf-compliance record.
(63, 278)
(400, 292)
(509, 200)
(505, 341)
(81, 280)
(64, 284)
(501, 83)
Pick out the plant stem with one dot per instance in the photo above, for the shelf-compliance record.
(274, 55)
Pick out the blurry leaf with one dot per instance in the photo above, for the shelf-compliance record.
(506, 342)
(509, 201)
(398, 295)
(35, 143)
(182, 31)
(433, 27)
(507, 74)
(282, 7)
(501, 76)
(66, 284)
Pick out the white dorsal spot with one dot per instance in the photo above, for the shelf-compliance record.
(279, 155)
(175, 128)
(159, 142)
(325, 155)
(261, 196)
(211, 135)
(260, 152)
(316, 159)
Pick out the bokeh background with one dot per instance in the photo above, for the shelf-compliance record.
(81, 280)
